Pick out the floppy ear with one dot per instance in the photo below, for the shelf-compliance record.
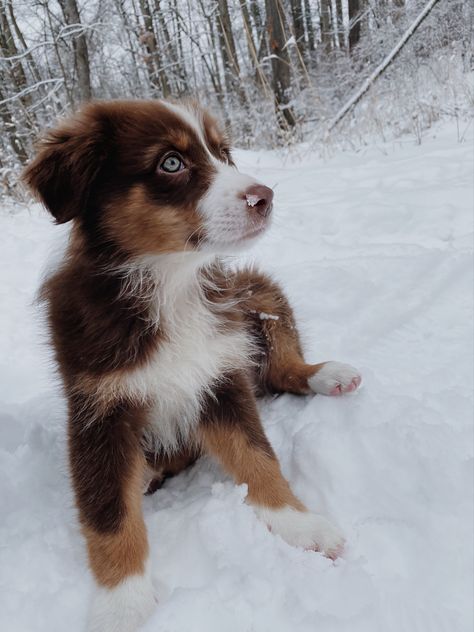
(67, 165)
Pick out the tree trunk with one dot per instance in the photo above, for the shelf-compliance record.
(260, 26)
(229, 52)
(132, 47)
(10, 127)
(214, 76)
(31, 62)
(281, 69)
(81, 53)
(297, 15)
(9, 49)
(177, 71)
(156, 73)
(178, 35)
(354, 24)
(339, 22)
(214, 71)
(309, 26)
(57, 54)
(253, 56)
(16, 76)
(326, 37)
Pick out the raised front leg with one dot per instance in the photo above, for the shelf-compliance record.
(282, 367)
(107, 473)
(231, 431)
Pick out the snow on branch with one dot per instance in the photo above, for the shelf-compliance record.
(381, 67)
(32, 88)
(66, 31)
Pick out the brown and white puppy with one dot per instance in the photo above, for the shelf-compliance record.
(160, 347)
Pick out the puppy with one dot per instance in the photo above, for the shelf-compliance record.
(162, 349)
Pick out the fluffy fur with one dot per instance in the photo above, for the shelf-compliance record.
(161, 348)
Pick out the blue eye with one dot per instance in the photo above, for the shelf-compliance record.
(172, 164)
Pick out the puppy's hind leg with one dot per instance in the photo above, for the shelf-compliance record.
(282, 367)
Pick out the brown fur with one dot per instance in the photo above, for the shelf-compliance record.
(107, 470)
(232, 432)
(100, 170)
(133, 225)
(114, 556)
(163, 466)
(270, 318)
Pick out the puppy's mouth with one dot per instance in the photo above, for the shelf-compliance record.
(237, 227)
(237, 240)
(256, 226)
(248, 236)
(256, 232)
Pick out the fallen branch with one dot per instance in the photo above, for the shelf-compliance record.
(381, 67)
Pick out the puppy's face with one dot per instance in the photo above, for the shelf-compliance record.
(149, 177)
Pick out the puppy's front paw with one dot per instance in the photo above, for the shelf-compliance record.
(123, 608)
(335, 378)
(304, 529)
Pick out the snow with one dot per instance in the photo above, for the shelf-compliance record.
(252, 200)
(383, 65)
(375, 251)
(264, 315)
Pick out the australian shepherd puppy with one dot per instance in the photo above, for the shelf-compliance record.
(161, 348)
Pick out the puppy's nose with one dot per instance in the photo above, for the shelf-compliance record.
(259, 198)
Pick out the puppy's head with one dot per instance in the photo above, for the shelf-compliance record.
(148, 177)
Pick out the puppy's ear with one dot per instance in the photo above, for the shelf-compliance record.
(67, 164)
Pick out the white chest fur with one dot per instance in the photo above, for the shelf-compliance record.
(184, 369)
(196, 349)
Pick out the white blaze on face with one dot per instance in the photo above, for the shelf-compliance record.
(228, 214)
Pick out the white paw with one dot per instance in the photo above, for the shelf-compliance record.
(335, 378)
(123, 608)
(303, 529)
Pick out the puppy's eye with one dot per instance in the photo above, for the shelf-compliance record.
(172, 164)
(226, 156)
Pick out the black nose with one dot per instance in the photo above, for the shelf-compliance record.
(259, 198)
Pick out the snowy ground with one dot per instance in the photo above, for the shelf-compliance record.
(375, 250)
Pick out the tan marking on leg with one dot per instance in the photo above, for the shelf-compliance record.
(270, 318)
(115, 556)
(289, 373)
(255, 467)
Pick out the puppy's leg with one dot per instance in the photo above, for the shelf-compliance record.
(282, 366)
(231, 431)
(333, 378)
(107, 473)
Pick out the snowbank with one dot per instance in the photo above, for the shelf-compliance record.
(375, 250)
